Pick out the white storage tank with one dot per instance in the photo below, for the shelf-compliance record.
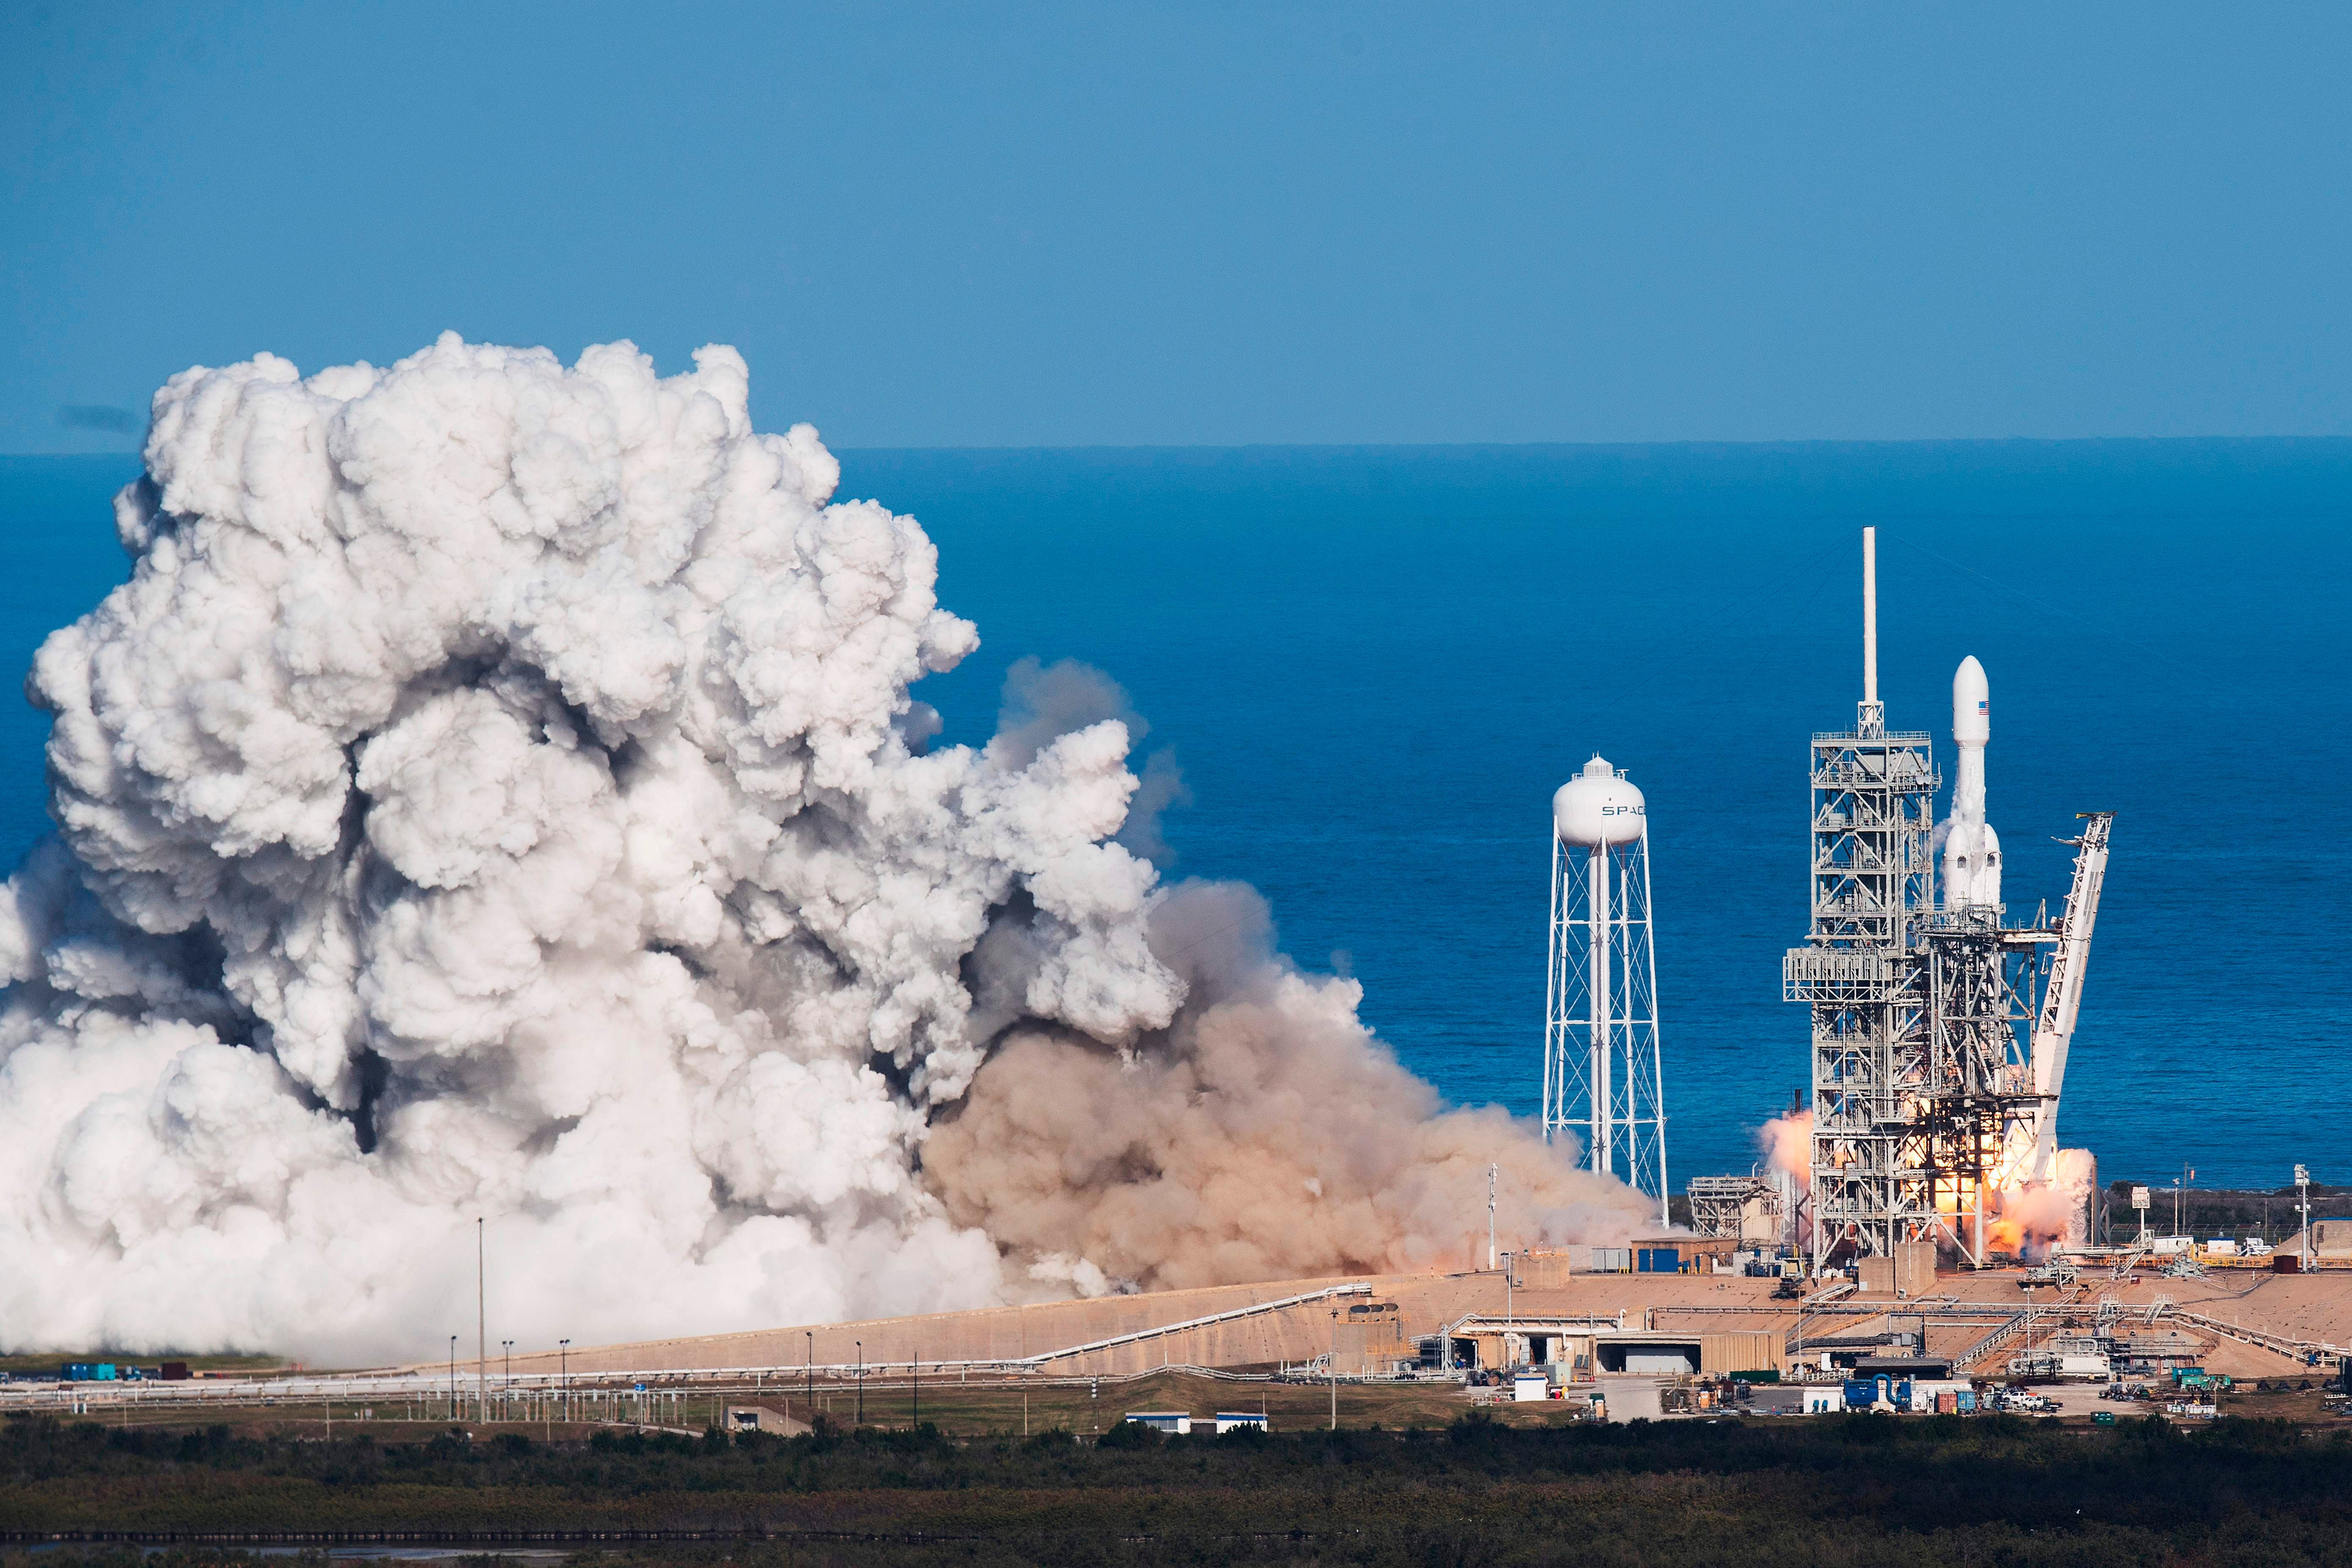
(1599, 805)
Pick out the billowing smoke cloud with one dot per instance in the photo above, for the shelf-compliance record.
(497, 792)
(1267, 1134)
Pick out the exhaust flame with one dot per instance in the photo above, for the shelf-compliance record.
(2028, 1219)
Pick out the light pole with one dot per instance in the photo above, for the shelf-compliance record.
(1332, 1368)
(812, 1376)
(2303, 1202)
(918, 1387)
(2029, 1325)
(453, 1377)
(506, 1394)
(564, 1363)
(1490, 1216)
(481, 1324)
(861, 1381)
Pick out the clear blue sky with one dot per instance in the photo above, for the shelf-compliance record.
(1204, 223)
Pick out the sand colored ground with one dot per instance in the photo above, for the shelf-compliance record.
(2312, 1307)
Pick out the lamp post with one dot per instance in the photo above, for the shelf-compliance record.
(453, 1377)
(861, 1381)
(1490, 1216)
(1331, 1369)
(2303, 1202)
(481, 1323)
(812, 1376)
(564, 1363)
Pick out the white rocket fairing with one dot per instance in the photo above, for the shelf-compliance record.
(1971, 848)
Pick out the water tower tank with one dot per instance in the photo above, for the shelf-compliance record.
(1599, 805)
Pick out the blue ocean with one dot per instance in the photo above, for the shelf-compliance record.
(1373, 666)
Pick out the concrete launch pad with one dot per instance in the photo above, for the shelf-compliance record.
(2247, 1324)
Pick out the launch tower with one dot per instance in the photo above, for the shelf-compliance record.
(1863, 968)
(1601, 1081)
(1928, 1091)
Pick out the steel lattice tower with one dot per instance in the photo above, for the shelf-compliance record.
(1865, 972)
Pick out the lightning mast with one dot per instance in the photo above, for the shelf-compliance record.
(1601, 1078)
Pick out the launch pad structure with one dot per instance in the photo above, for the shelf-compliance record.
(1939, 1032)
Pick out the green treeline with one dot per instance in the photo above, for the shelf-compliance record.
(1859, 1489)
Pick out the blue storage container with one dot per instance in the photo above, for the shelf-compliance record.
(1862, 1394)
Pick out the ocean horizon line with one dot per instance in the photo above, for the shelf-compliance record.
(1821, 444)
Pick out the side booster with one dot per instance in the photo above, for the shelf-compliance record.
(1971, 866)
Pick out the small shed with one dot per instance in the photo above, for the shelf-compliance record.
(1630, 1399)
(1175, 1423)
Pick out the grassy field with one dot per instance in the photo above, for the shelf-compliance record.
(1852, 1489)
(957, 1410)
(973, 1410)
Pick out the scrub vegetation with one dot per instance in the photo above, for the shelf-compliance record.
(1850, 1490)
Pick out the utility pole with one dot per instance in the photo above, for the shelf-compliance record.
(1490, 1216)
(861, 1381)
(812, 1376)
(918, 1388)
(1333, 1365)
(481, 1324)
(564, 1352)
(453, 1377)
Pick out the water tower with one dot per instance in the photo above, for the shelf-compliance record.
(1601, 1082)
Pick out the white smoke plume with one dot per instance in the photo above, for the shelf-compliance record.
(497, 792)
(1788, 1144)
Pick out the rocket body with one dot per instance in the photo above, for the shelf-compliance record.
(1971, 848)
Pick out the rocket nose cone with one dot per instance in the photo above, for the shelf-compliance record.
(1971, 704)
